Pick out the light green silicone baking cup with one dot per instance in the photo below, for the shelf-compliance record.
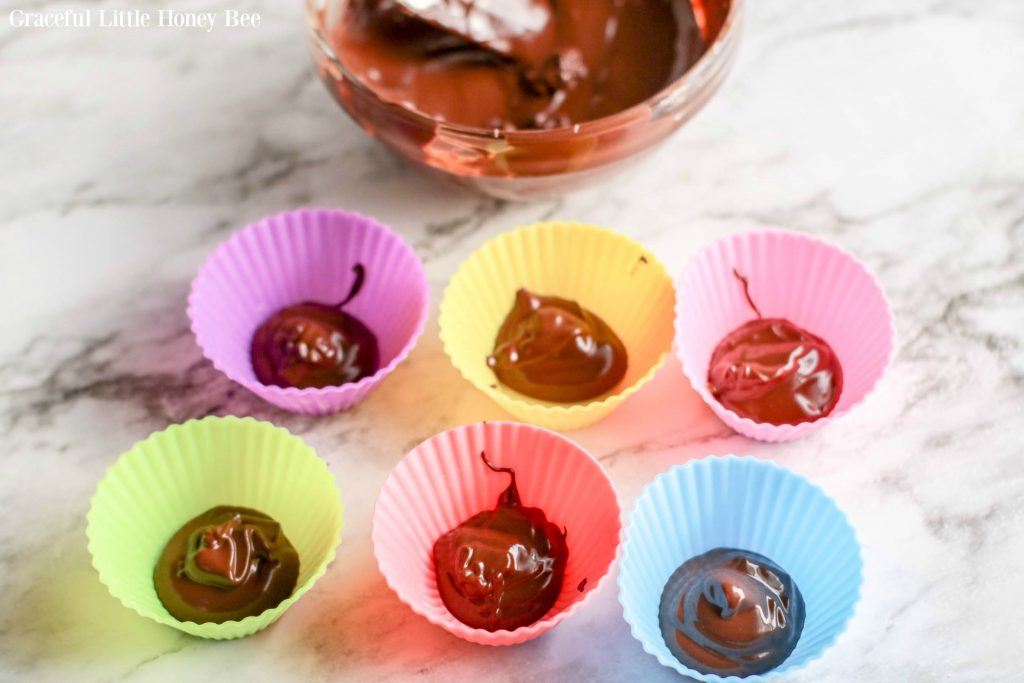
(182, 471)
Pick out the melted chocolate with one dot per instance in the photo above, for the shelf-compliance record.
(518, 64)
(770, 370)
(731, 612)
(224, 565)
(555, 350)
(315, 345)
(502, 568)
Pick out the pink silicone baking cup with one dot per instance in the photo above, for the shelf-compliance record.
(442, 482)
(308, 255)
(816, 285)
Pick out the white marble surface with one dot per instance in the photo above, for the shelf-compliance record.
(893, 128)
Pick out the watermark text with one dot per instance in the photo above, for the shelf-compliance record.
(133, 18)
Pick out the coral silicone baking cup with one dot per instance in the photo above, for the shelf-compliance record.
(308, 255)
(443, 482)
(818, 286)
(176, 474)
(607, 273)
(751, 505)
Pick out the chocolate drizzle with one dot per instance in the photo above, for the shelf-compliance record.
(731, 612)
(315, 345)
(501, 568)
(227, 555)
(226, 564)
(555, 350)
(770, 370)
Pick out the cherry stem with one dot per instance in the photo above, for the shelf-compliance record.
(746, 292)
(360, 272)
(511, 494)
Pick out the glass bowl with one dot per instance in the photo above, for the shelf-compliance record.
(530, 164)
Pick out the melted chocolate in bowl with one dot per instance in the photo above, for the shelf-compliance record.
(584, 60)
(587, 85)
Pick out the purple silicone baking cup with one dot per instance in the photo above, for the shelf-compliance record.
(308, 255)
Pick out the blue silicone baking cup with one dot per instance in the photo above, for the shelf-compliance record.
(750, 504)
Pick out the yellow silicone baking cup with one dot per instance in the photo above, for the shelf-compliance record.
(174, 475)
(605, 272)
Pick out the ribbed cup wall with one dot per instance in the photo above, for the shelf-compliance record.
(751, 505)
(808, 281)
(302, 256)
(607, 273)
(443, 482)
(181, 472)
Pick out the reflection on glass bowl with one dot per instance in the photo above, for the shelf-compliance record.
(529, 164)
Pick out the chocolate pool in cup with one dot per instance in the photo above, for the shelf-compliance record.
(443, 482)
(606, 273)
(818, 286)
(750, 505)
(176, 474)
(308, 255)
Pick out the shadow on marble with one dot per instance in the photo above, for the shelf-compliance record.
(363, 627)
(431, 391)
(66, 621)
(152, 367)
(362, 623)
(667, 419)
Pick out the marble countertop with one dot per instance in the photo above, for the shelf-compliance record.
(895, 129)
